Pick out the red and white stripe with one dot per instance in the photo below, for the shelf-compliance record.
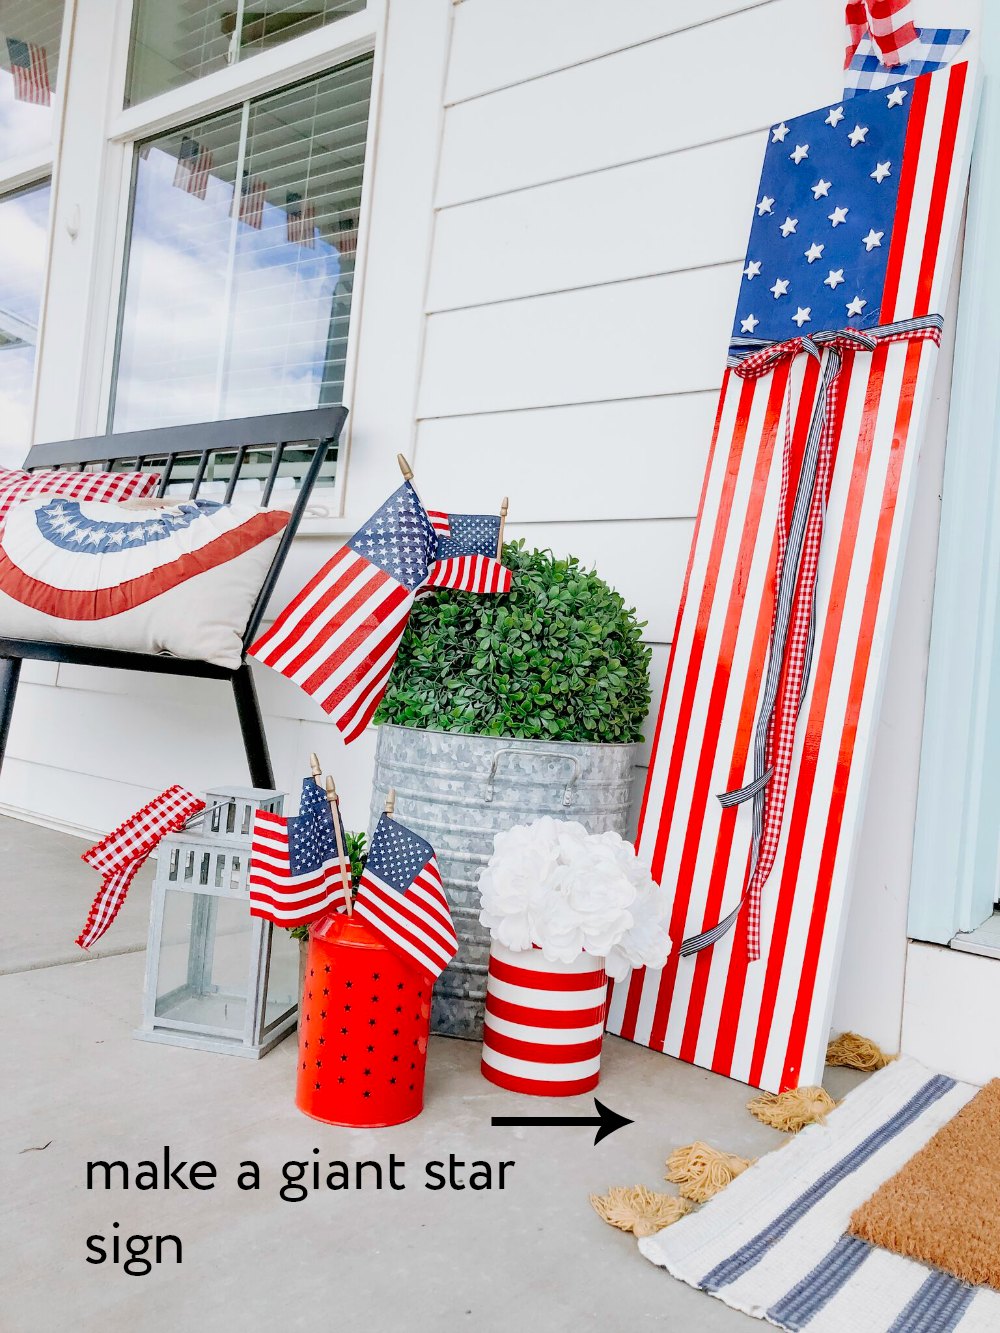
(470, 573)
(16, 486)
(440, 521)
(252, 199)
(300, 226)
(346, 240)
(275, 893)
(192, 173)
(767, 1022)
(337, 638)
(31, 81)
(892, 31)
(418, 922)
(544, 1023)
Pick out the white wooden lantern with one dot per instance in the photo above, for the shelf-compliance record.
(216, 978)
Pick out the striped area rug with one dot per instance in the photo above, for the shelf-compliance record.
(774, 1243)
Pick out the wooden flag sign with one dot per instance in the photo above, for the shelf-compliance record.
(778, 657)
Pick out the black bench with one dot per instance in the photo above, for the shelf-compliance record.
(217, 451)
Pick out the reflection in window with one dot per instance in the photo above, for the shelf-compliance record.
(24, 221)
(241, 258)
(177, 41)
(29, 62)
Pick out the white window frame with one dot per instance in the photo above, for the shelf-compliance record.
(35, 168)
(104, 250)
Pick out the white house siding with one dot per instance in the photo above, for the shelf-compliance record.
(550, 324)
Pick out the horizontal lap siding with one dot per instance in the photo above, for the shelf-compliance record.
(502, 42)
(706, 83)
(624, 222)
(561, 450)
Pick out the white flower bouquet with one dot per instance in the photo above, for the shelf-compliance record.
(553, 885)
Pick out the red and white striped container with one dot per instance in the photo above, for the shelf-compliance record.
(544, 1023)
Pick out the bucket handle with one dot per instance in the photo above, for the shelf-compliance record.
(547, 754)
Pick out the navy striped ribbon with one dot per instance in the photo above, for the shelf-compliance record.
(758, 357)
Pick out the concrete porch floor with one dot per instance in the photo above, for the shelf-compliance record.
(534, 1256)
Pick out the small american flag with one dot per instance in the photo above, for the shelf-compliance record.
(346, 239)
(401, 897)
(194, 163)
(30, 69)
(301, 221)
(122, 852)
(888, 23)
(295, 872)
(338, 638)
(466, 559)
(252, 195)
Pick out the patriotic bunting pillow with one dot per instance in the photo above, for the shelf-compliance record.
(16, 486)
(179, 579)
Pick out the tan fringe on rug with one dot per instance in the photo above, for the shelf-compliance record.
(637, 1209)
(851, 1051)
(792, 1110)
(701, 1171)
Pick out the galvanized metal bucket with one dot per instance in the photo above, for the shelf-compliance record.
(458, 792)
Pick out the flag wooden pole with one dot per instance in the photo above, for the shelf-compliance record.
(404, 467)
(345, 869)
(503, 523)
(390, 802)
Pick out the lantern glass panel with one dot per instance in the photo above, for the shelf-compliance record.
(282, 977)
(204, 947)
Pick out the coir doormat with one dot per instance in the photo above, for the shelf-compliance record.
(776, 1243)
(943, 1207)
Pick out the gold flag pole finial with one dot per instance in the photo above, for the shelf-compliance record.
(338, 837)
(404, 467)
(390, 802)
(503, 523)
(316, 767)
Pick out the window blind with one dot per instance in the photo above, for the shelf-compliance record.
(240, 266)
(177, 41)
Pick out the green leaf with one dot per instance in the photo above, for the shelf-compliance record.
(561, 657)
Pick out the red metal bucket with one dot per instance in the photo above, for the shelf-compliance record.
(363, 1028)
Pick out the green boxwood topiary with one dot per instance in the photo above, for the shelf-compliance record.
(559, 658)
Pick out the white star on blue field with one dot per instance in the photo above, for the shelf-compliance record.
(397, 855)
(311, 840)
(398, 538)
(470, 534)
(822, 223)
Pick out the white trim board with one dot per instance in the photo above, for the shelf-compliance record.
(949, 1012)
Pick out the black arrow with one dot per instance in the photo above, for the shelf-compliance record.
(606, 1120)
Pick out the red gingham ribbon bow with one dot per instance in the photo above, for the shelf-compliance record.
(886, 21)
(799, 537)
(121, 853)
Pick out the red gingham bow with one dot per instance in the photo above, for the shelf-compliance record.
(886, 21)
(121, 853)
(799, 537)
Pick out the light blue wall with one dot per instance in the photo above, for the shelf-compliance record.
(955, 851)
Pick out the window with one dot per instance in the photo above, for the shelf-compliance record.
(23, 236)
(177, 41)
(240, 265)
(29, 63)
